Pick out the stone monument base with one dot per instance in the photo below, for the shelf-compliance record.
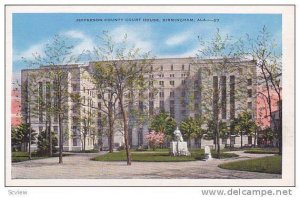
(179, 148)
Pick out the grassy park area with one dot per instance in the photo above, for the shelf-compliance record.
(262, 151)
(270, 164)
(159, 155)
(23, 156)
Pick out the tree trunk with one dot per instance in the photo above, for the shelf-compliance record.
(84, 139)
(50, 139)
(61, 143)
(125, 125)
(111, 132)
(29, 141)
(241, 139)
(218, 140)
(255, 137)
(200, 142)
(280, 128)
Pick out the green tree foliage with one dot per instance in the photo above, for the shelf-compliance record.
(188, 128)
(43, 145)
(163, 123)
(20, 137)
(245, 124)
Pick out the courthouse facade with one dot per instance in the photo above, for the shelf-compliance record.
(184, 87)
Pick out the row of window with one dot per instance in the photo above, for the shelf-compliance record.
(183, 67)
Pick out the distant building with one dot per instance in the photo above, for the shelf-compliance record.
(185, 87)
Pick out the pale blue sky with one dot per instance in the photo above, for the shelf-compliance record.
(164, 39)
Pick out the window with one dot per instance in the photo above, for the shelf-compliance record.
(249, 82)
(150, 83)
(151, 68)
(172, 94)
(172, 111)
(172, 102)
(249, 105)
(232, 140)
(140, 137)
(250, 93)
(172, 75)
(183, 93)
(151, 107)
(182, 67)
(161, 67)
(224, 140)
(74, 87)
(196, 106)
(74, 142)
(172, 67)
(161, 94)
(182, 82)
(74, 130)
(40, 129)
(161, 75)
(151, 95)
(55, 129)
(162, 105)
(172, 83)
(141, 106)
(249, 139)
(74, 109)
(161, 83)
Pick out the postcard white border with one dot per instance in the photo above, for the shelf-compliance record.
(288, 85)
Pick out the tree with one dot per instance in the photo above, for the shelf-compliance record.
(200, 131)
(245, 125)
(43, 145)
(263, 50)
(163, 123)
(101, 74)
(55, 69)
(223, 55)
(129, 68)
(188, 128)
(155, 138)
(20, 136)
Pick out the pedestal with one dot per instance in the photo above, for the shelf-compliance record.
(179, 148)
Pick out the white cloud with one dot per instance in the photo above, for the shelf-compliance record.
(36, 49)
(190, 53)
(178, 39)
(140, 37)
(86, 43)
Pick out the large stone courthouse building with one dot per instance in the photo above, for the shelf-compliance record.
(185, 87)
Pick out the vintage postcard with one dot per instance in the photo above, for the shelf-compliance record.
(150, 95)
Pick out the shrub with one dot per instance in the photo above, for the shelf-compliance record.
(43, 145)
(155, 139)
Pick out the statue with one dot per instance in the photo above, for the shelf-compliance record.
(179, 147)
(178, 135)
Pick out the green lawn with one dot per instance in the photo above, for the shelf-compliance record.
(23, 156)
(270, 164)
(262, 150)
(160, 155)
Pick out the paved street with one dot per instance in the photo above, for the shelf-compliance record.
(79, 166)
